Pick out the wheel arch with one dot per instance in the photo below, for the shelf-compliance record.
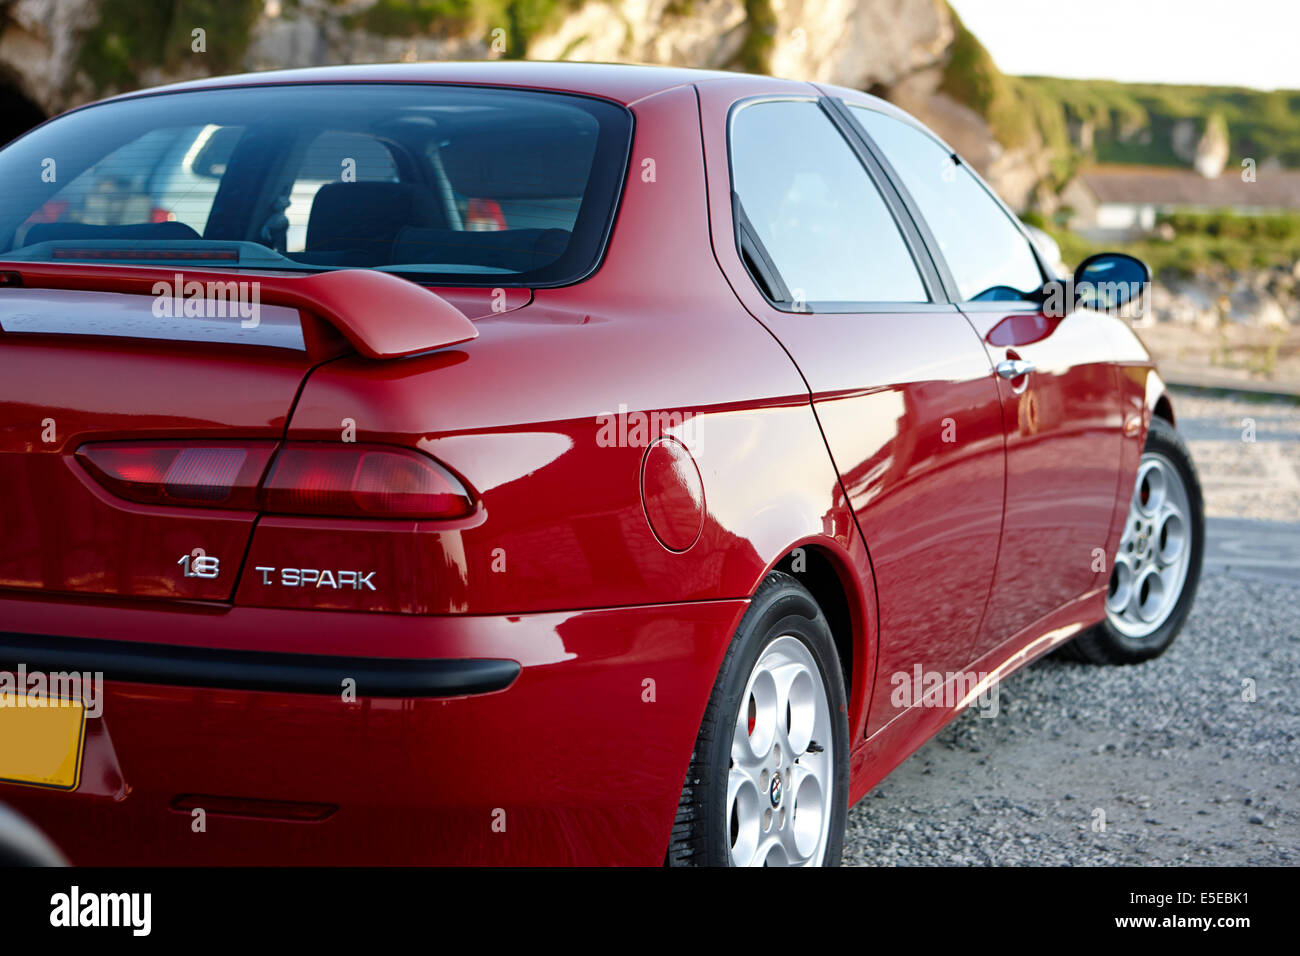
(1157, 400)
(1164, 408)
(841, 583)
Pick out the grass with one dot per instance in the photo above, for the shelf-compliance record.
(521, 19)
(1132, 123)
(756, 50)
(1260, 124)
(132, 35)
(972, 78)
(1019, 113)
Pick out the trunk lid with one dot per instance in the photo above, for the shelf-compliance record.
(93, 354)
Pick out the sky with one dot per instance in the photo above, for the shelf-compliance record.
(1214, 42)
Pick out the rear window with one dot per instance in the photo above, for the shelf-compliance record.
(450, 184)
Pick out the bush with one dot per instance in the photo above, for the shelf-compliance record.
(1225, 224)
(1190, 252)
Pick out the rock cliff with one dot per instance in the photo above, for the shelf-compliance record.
(60, 53)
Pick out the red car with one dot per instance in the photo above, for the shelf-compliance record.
(540, 463)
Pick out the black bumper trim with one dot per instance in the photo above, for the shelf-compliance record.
(143, 663)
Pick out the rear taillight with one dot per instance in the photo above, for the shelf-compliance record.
(181, 473)
(364, 481)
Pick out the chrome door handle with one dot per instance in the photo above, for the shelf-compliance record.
(1014, 368)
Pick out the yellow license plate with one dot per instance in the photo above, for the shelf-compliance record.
(41, 746)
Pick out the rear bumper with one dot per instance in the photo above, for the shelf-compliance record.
(579, 757)
(139, 663)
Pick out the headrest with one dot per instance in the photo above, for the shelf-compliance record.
(366, 217)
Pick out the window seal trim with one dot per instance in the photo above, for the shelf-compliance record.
(887, 186)
(870, 147)
(875, 308)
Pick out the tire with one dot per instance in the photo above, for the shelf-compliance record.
(792, 786)
(1132, 635)
(22, 844)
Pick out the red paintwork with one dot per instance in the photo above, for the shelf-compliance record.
(823, 432)
(414, 781)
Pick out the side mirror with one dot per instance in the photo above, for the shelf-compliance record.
(1109, 281)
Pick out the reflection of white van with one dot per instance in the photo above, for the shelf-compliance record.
(184, 190)
(172, 175)
(167, 175)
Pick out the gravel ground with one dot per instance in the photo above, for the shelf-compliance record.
(1243, 478)
(1168, 754)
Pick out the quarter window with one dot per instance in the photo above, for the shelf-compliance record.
(816, 211)
(989, 257)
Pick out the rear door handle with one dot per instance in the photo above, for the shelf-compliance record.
(1014, 368)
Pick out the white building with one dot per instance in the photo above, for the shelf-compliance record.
(1123, 202)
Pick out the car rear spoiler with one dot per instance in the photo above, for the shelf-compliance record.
(381, 316)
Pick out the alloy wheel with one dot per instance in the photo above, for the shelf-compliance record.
(1154, 551)
(779, 786)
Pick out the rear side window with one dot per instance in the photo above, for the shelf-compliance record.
(990, 259)
(819, 216)
(456, 184)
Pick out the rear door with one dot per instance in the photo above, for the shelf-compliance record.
(900, 382)
(1060, 405)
